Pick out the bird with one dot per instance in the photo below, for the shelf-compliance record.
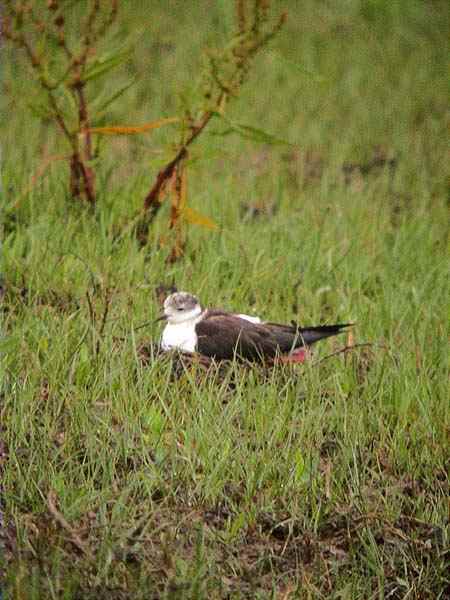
(222, 335)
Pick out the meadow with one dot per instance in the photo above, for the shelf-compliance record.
(124, 477)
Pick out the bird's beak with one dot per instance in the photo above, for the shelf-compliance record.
(162, 317)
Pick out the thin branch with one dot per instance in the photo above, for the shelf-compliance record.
(59, 117)
(91, 309)
(104, 319)
(88, 28)
(347, 349)
(87, 175)
(241, 16)
(165, 174)
(59, 23)
(152, 202)
(59, 518)
(46, 163)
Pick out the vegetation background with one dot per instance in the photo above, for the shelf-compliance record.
(121, 479)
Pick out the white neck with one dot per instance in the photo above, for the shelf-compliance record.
(180, 333)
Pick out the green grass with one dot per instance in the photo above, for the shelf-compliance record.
(327, 480)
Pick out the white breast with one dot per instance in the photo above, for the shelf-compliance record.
(180, 335)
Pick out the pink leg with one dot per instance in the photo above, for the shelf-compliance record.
(297, 356)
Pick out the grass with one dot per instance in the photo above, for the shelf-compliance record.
(121, 479)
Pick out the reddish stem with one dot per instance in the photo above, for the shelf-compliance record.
(151, 201)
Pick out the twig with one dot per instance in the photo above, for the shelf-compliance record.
(241, 16)
(165, 174)
(46, 163)
(91, 309)
(59, 518)
(103, 321)
(143, 325)
(152, 202)
(346, 349)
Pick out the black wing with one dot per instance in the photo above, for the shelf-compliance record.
(224, 336)
(311, 335)
(294, 336)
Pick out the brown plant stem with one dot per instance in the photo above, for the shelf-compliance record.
(60, 519)
(74, 176)
(87, 172)
(347, 349)
(23, 26)
(152, 202)
(178, 198)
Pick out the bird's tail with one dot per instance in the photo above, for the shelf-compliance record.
(311, 335)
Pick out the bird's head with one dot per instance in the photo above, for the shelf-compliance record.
(180, 307)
